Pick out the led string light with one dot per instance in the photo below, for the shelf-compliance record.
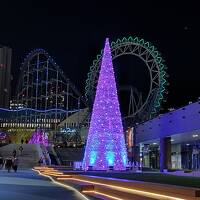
(63, 178)
(134, 191)
(40, 111)
(105, 144)
(103, 194)
(52, 172)
(62, 185)
(134, 43)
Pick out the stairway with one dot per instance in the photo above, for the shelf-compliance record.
(30, 154)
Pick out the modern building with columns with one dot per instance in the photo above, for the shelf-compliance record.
(171, 140)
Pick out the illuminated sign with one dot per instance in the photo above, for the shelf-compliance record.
(67, 130)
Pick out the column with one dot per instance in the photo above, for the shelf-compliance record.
(165, 153)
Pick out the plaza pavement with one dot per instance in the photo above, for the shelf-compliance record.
(28, 185)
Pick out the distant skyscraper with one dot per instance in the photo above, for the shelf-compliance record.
(5, 76)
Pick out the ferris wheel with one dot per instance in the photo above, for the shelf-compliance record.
(157, 72)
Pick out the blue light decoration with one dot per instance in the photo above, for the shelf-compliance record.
(106, 144)
(39, 111)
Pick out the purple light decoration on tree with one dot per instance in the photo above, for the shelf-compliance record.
(106, 144)
(39, 137)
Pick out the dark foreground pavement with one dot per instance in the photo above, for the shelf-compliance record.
(28, 185)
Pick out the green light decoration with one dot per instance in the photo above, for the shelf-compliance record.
(136, 42)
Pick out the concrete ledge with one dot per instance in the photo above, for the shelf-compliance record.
(83, 187)
(109, 188)
(61, 167)
(87, 188)
(170, 190)
(120, 194)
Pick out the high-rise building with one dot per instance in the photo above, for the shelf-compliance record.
(5, 76)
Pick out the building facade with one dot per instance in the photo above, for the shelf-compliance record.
(5, 76)
(171, 140)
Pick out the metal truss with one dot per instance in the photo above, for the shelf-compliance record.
(135, 99)
(44, 86)
(155, 64)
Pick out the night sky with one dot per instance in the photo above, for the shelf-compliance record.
(74, 33)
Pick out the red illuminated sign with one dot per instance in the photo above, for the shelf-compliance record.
(2, 66)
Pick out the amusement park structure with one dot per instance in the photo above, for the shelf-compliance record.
(44, 87)
(140, 109)
(45, 95)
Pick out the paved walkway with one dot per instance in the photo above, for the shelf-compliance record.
(28, 185)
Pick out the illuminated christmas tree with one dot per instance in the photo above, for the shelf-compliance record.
(39, 137)
(106, 144)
